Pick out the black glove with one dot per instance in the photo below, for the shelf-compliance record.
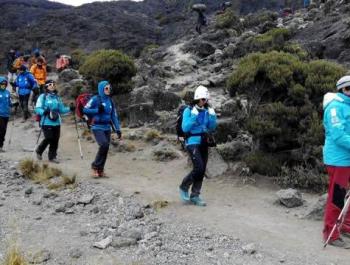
(119, 133)
(46, 112)
(15, 104)
(72, 107)
(101, 108)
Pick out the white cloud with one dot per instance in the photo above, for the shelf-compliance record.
(80, 2)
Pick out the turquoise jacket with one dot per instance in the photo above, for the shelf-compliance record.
(5, 101)
(197, 124)
(52, 102)
(336, 121)
(102, 121)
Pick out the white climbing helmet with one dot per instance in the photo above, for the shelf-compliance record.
(201, 92)
(343, 82)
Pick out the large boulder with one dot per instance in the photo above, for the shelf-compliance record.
(68, 74)
(216, 165)
(234, 150)
(226, 130)
(316, 210)
(139, 114)
(290, 198)
(165, 101)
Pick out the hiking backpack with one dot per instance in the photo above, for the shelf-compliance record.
(80, 103)
(179, 131)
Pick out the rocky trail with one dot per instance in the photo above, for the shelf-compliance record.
(135, 216)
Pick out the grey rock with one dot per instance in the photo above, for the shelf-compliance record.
(86, 199)
(104, 243)
(75, 253)
(132, 233)
(40, 256)
(316, 211)
(249, 249)
(290, 198)
(60, 209)
(37, 201)
(68, 75)
(28, 191)
(120, 242)
(138, 114)
(216, 165)
(234, 150)
(165, 101)
(69, 204)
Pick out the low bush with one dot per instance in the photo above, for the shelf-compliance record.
(285, 94)
(14, 257)
(111, 65)
(228, 19)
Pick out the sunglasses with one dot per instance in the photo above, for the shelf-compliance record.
(108, 87)
(346, 88)
(204, 99)
(51, 84)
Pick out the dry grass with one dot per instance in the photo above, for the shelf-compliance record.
(14, 257)
(159, 204)
(153, 135)
(43, 174)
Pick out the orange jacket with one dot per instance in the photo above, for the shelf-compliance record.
(39, 73)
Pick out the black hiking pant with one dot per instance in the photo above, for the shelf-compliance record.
(3, 128)
(23, 101)
(51, 137)
(199, 157)
(103, 139)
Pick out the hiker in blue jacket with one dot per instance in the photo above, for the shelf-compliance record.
(198, 122)
(104, 120)
(50, 107)
(5, 110)
(25, 84)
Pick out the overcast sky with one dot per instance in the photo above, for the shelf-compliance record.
(80, 2)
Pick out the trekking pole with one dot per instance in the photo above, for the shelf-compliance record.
(340, 219)
(76, 128)
(37, 141)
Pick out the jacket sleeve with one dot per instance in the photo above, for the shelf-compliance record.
(62, 109)
(212, 122)
(32, 69)
(32, 81)
(115, 119)
(91, 107)
(9, 100)
(335, 123)
(188, 120)
(39, 107)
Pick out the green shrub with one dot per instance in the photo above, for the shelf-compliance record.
(228, 20)
(259, 18)
(273, 39)
(321, 78)
(285, 98)
(262, 163)
(111, 65)
(78, 58)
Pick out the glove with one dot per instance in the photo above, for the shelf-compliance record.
(211, 111)
(119, 133)
(194, 111)
(46, 112)
(101, 108)
(15, 104)
(72, 107)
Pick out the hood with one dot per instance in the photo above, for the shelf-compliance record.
(2, 79)
(101, 86)
(329, 97)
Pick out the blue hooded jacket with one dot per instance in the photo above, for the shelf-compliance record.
(102, 121)
(52, 102)
(336, 121)
(26, 83)
(5, 101)
(197, 124)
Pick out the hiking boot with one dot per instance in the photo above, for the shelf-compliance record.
(184, 195)
(340, 243)
(101, 174)
(196, 200)
(95, 173)
(55, 161)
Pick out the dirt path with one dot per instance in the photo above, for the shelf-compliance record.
(247, 212)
